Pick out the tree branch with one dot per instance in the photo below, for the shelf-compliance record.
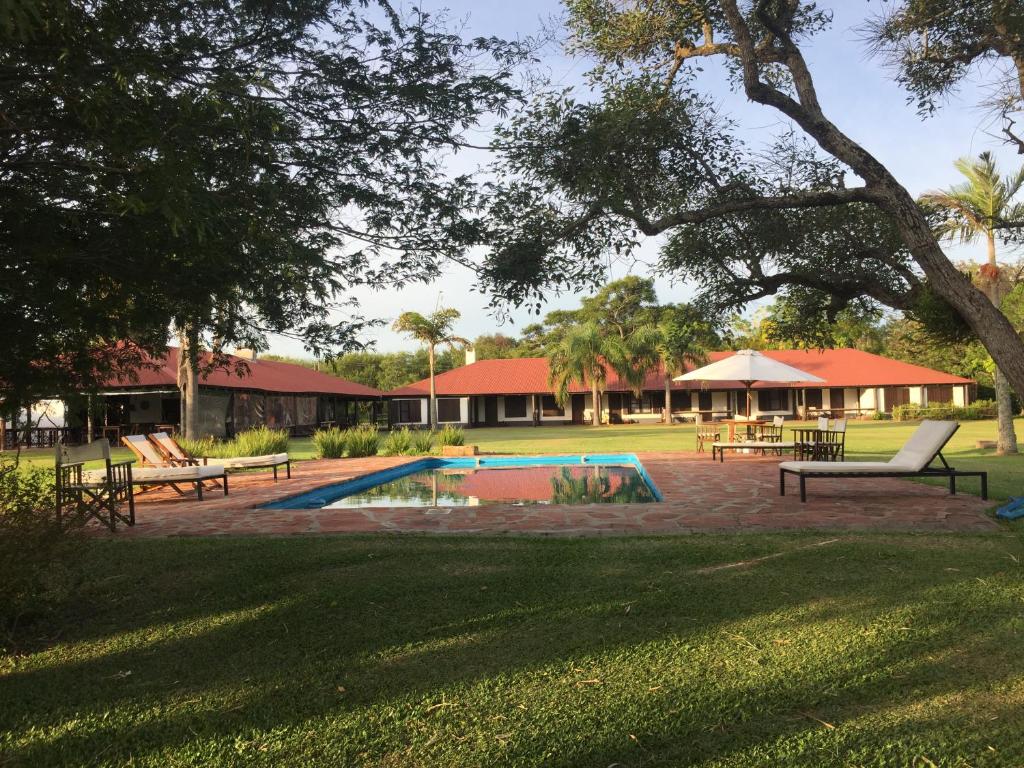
(815, 199)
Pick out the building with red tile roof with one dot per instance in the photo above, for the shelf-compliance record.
(517, 391)
(237, 393)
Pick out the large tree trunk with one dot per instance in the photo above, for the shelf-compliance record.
(432, 406)
(188, 381)
(1006, 442)
(667, 412)
(987, 322)
(595, 395)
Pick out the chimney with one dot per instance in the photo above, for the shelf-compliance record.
(246, 354)
(470, 355)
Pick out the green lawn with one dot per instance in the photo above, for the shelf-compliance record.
(866, 440)
(428, 651)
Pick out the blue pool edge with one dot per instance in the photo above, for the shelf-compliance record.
(318, 497)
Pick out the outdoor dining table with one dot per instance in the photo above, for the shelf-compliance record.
(748, 423)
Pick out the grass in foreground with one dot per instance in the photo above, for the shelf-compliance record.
(783, 650)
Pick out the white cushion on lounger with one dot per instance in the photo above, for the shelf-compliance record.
(914, 456)
(172, 474)
(842, 466)
(241, 462)
(922, 446)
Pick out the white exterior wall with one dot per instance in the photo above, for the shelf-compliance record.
(869, 399)
(850, 400)
(960, 394)
(917, 395)
(527, 419)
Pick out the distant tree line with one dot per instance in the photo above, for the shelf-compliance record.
(623, 307)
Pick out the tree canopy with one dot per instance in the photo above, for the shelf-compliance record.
(222, 165)
(817, 217)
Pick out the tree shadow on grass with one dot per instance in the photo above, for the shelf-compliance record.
(360, 636)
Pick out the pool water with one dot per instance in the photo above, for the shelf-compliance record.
(464, 483)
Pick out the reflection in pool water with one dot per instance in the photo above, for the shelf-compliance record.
(467, 486)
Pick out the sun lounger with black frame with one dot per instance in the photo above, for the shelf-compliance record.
(914, 459)
(173, 452)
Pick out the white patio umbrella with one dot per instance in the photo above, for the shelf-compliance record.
(748, 366)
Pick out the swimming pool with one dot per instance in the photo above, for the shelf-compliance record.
(465, 482)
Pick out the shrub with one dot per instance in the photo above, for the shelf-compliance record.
(880, 416)
(38, 556)
(204, 446)
(260, 441)
(330, 443)
(398, 442)
(979, 409)
(362, 441)
(451, 435)
(422, 442)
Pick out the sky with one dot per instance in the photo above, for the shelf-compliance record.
(856, 91)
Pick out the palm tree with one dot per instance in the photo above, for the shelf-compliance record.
(581, 356)
(679, 339)
(433, 331)
(977, 208)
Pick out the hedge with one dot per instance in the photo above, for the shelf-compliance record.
(979, 409)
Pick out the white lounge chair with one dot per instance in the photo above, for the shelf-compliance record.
(913, 460)
(157, 470)
(174, 453)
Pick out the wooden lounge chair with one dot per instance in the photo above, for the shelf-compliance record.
(156, 470)
(913, 460)
(707, 433)
(173, 452)
(93, 493)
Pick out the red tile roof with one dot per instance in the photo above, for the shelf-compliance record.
(262, 375)
(838, 367)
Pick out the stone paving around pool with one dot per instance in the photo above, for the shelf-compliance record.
(699, 495)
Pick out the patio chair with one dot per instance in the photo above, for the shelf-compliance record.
(707, 433)
(771, 432)
(156, 470)
(172, 451)
(913, 460)
(95, 493)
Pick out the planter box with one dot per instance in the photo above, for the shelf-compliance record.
(459, 450)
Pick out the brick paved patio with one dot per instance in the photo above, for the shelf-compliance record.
(699, 495)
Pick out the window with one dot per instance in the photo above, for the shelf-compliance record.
(681, 401)
(773, 399)
(515, 407)
(836, 398)
(408, 412)
(704, 400)
(813, 398)
(550, 407)
(448, 409)
(648, 402)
